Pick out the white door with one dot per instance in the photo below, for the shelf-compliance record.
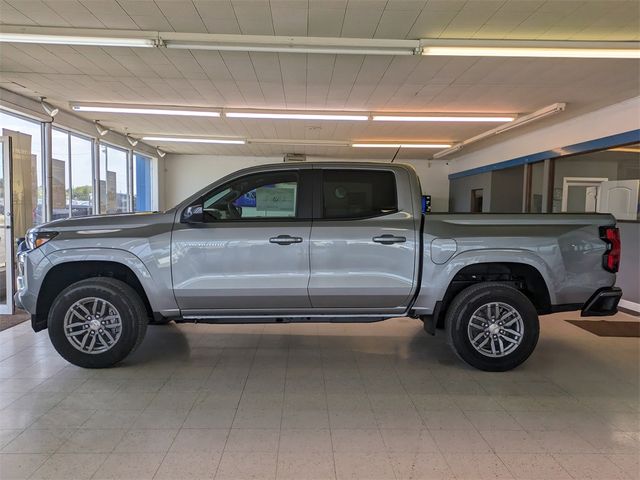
(620, 198)
(6, 236)
(591, 200)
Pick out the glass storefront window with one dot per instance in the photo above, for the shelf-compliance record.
(71, 175)
(30, 142)
(114, 180)
(60, 174)
(142, 183)
(81, 176)
(74, 174)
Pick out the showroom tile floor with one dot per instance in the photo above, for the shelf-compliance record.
(320, 401)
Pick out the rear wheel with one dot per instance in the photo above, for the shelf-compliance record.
(492, 326)
(95, 323)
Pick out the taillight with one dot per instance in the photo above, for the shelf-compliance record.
(611, 258)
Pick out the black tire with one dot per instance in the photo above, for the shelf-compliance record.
(460, 313)
(122, 297)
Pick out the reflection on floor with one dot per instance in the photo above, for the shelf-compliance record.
(609, 328)
(320, 401)
(8, 321)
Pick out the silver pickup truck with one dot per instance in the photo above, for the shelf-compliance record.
(315, 242)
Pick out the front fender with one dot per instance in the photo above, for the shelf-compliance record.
(437, 278)
(159, 293)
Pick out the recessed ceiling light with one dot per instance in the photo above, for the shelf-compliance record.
(195, 140)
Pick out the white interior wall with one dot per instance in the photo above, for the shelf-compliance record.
(617, 118)
(614, 119)
(185, 174)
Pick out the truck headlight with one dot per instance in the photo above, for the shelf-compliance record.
(37, 239)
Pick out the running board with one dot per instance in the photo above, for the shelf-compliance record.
(239, 319)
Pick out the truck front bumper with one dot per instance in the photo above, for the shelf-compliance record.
(602, 303)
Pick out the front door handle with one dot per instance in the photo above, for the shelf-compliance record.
(285, 240)
(388, 239)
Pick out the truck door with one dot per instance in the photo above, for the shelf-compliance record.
(363, 240)
(250, 252)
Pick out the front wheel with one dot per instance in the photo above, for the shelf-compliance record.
(492, 326)
(95, 323)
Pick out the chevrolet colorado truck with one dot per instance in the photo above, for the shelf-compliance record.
(315, 242)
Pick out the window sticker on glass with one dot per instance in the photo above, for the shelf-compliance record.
(276, 199)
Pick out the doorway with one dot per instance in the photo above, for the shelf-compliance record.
(477, 196)
(6, 235)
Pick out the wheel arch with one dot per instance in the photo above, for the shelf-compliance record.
(524, 276)
(63, 274)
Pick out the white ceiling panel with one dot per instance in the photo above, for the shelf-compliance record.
(218, 16)
(183, 16)
(339, 82)
(290, 17)
(254, 17)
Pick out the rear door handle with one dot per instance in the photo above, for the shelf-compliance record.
(285, 240)
(388, 239)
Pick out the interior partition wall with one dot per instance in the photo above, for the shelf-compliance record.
(600, 176)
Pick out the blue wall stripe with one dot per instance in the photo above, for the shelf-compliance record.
(598, 144)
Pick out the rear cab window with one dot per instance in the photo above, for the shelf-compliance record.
(354, 194)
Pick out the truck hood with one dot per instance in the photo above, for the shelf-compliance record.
(103, 223)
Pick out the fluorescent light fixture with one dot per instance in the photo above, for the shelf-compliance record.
(537, 115)
(441, 118)
(160, 153)
(48, 108)
(195, 140)
(102, 131)
(448, 151)
(145, 110)
(303, 142)
(286, 44)
(400, 145)
(529, 48)
(132, 141)
(76, 40)
(295, 116)
(629, 149)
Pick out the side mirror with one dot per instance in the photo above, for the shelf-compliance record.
(192, 214)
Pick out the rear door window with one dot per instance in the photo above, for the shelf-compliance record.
(358, 193)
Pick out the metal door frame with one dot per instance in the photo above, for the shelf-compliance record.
(8, 307)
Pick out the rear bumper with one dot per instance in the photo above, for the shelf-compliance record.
(602, 303)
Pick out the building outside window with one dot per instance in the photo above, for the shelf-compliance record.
(142, 183)
(124, 185)
(26, 136)
(114, 180)
(71, 175)
(60, 182)
(81, 176)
